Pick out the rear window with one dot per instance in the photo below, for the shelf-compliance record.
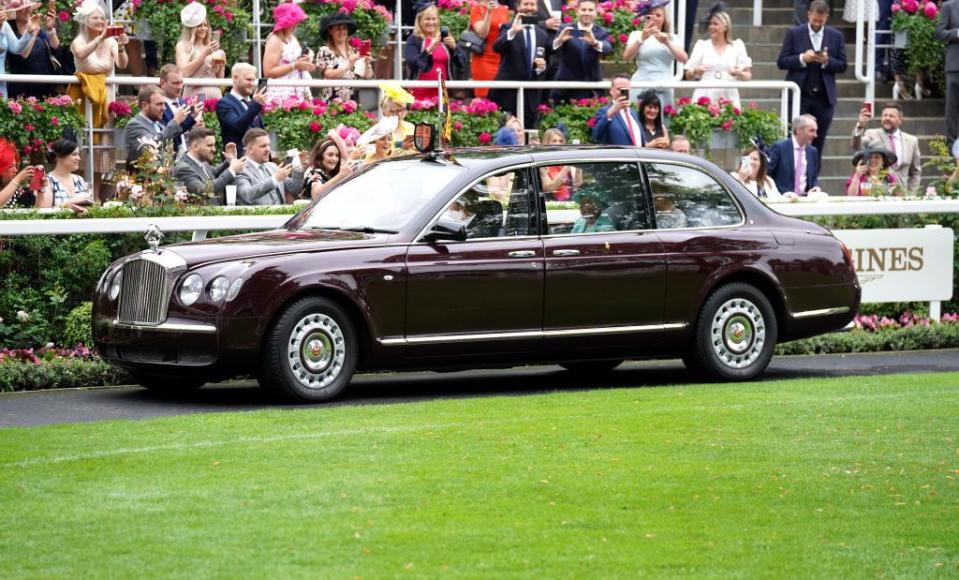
(685, 197)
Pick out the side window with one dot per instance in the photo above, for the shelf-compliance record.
(496, 207)
(607, 196)
(684, 197)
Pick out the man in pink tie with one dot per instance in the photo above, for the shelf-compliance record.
(908, 165)
(793, 162)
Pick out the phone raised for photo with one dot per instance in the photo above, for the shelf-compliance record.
(444, 31)
(868, 106)
(215, 35)
(36, 183)
(529, 19)
(366, 46)
(261, 85)
(114, 31)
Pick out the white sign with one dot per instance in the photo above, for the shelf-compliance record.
(907, 265)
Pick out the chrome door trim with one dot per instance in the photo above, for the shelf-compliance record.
(820, 312)
(483, 336)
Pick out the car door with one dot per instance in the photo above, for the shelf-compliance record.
(482, 296)
(605, 273)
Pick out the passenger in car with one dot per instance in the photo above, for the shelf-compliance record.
(668, 216)
(592, 206)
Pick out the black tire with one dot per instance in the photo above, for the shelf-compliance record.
(591, 367)
(735, 334)
(168, 384)
(317, 374)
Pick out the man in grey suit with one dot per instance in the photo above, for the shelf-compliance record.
(947, 30)
(195, 169)
(908, 166)
(263, 182)
(147, 124)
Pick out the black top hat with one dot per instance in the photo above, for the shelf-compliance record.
(888, 157)
(336, 18)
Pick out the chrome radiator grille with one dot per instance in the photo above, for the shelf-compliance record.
(144, 294)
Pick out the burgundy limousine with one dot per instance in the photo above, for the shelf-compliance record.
(451, 260)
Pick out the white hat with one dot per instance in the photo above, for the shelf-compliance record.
(86, 8)
(382, 128)
(193, 15)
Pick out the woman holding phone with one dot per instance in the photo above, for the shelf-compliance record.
(64, 187)
(752, 174)
(42, 43)
(485, 20)
(198, 52)
(337, 59)
(14, 184)
(283, 57)
(654, 49)
(431, 47)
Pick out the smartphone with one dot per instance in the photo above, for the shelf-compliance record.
(529, 19)
(215, 35)
(577, 33)
(868, 106)
(305, 50)
(365, 47)
(444, 31)
(201, 98)
(36, 184)
(745, 163)
(261, 85)
(114, 31)
(288, 160)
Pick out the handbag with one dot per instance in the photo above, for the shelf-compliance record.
(472, 42)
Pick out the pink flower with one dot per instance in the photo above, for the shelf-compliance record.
(713, 109)
(683, 101)
(669, 111)
(608, 17)
(349, 106)
(602, 100)
(543, 108)
(319, 110)
(27, 150)
(623, 37)
(209, 105)
(15, 107)
(28, 128)
(703, 101)
(636, 21)
(355, 42)
(910, 6)
(457, 125)
(895, 8)
(753, 105)
(63, 15)
(54, 121)
(737, 111)
(591, 122)
(930, 11)
(485, 138)
(727, 125)
(582, 103)
(315, 127)
(228, 16)
(218, 9)
(567, 19)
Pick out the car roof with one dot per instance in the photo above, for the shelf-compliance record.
(493, 156)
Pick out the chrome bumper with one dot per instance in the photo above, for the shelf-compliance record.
(165, 327)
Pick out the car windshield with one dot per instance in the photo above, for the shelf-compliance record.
(384, 197)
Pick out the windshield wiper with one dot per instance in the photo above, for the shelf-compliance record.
(369, 230)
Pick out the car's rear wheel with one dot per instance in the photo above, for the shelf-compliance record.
(591, 367)
(735, 334)
(310, 351)
(168, 384)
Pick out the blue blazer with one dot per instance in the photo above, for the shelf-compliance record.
(186, 125)
(781, 167)
(235, 121)
(613, 132)
(797, 42)
(577, 60)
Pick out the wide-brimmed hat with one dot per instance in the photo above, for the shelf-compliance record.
(8, 155)
(644, 7)
(592, 191)
(287, 15)
(331, 20)
(193, 15)
(888, 157)
(383, 128)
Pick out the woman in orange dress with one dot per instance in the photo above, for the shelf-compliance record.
(485, 20)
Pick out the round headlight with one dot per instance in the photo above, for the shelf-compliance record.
(234, 289)
(115, 285)
(218, 288)
(190, 289)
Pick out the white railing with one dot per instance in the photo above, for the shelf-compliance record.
(789, 91)
(868, 75)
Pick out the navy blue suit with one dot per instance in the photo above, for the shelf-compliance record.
(235, 120)
(817, 83)
(782, 167)
(515, 65)
(615, 131)
(187, 123)
(579, 61)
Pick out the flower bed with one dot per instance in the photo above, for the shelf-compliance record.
(30, 123)
(300, 123)
(455, 14)
(924, 53)
(698, 120)
(229, 17)
(575, 118)
(56, 368)
(372, 20)
(473, 124)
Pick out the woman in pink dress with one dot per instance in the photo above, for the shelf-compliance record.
(428, 49)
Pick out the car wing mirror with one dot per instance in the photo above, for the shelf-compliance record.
(446, 229)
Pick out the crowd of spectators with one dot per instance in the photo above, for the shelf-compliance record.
(520, 40)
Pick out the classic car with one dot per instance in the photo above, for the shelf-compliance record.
(451, 260)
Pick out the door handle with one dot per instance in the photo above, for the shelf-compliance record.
(522, 254)
(566, 253)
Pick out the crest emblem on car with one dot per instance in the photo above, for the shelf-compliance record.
(153, 236)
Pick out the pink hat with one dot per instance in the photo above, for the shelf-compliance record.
(287, 15)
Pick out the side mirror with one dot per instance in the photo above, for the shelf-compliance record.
(446, 229)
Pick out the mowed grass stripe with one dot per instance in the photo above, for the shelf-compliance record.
(852, 476)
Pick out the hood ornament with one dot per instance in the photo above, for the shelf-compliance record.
(153, 236)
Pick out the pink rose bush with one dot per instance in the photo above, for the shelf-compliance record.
(917, 21)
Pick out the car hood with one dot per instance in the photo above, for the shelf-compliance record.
(271, 243)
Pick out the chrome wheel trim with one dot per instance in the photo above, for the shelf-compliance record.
(316, 351)
(737, 333)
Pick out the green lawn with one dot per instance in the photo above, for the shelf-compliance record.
(805, 478)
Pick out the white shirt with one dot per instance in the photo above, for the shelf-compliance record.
(815, 38)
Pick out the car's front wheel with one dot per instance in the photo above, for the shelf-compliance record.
(735, 334)
(310, 351)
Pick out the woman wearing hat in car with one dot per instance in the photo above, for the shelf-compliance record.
(337, 59)
(592, 206)
(872, 175)
(283, 57)
(197, 54)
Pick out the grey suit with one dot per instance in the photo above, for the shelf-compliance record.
(947, 30)
(909, 169)
(253, 188)
(139, 127)
(197, 175)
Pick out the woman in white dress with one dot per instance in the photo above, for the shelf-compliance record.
(850, 12)
(283, 57)
(753, 176)
(654, 49)
(719, 58)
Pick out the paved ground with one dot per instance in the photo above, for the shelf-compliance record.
(96, 404)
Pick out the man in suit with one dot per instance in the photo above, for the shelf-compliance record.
(195, 169)
(263, 182)
(146, 126)
(617, 123)
(792, 162)
(523, 51)
(239, 110)
(813, 53)
(578, 48)
(171, 84)
(947, 30)
(908, 165)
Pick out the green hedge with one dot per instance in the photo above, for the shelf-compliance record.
(910, 338)
(60, 374)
